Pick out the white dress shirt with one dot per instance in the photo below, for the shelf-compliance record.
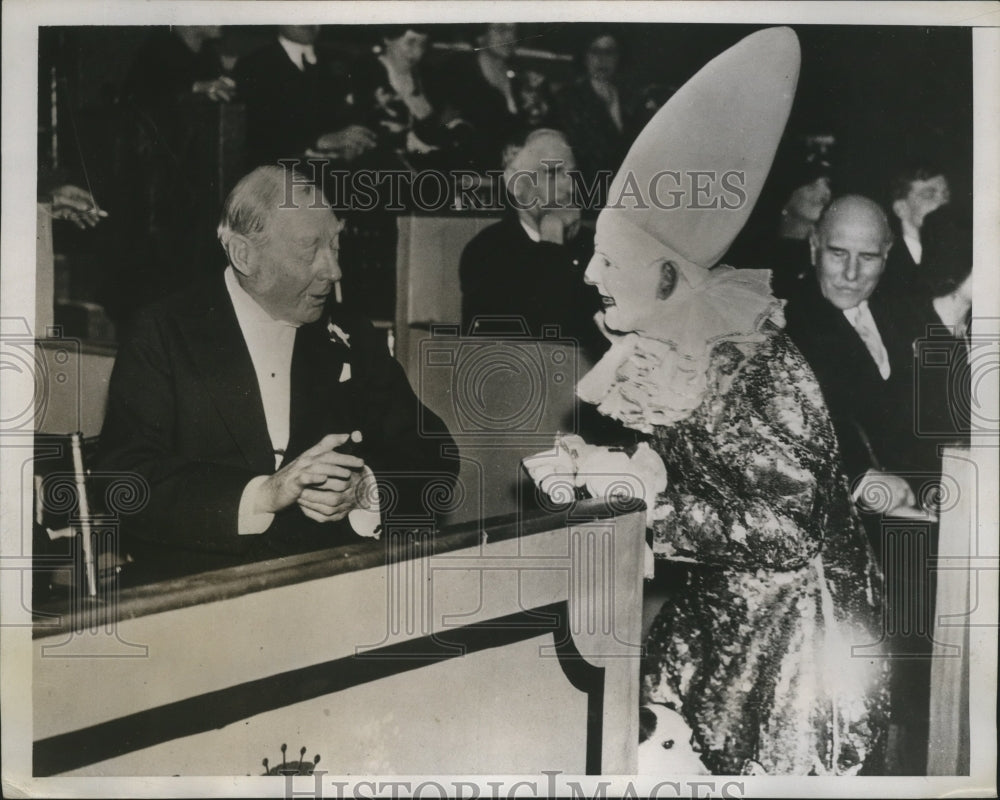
(863, 322)
(300, 54)
(271, 343)
(533, 234)
(914, 245)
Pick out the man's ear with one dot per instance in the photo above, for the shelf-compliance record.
(240, 253)
(519, 187)
(668, 280)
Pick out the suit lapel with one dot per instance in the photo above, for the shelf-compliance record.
(220, 353)
(838, 342)
(319, 403)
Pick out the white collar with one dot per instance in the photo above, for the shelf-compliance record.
(298, 53)
(644, 381)
(249, 312)
(853, 314)
(915, 246)
(533, 234)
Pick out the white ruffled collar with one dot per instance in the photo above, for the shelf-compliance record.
(659, 377)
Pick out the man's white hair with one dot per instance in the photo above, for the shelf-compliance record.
(253, 201)
(513, 152)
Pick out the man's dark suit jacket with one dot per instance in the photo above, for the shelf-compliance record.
(508, 280)
(902, 275)
(503, 273)
(596, 141)
(288, 108)
(185, 413)
(873, 417)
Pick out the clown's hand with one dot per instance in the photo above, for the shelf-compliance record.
(554, 471)
(653, 474)
(612, 475)
(607, 474)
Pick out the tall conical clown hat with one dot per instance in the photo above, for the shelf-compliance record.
(692, 177)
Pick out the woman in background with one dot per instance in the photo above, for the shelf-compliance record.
(399, 99)
(498, 99)
(597, 112)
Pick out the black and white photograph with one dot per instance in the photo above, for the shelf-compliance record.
(499, 399)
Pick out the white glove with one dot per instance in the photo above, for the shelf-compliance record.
(554, 471)
(614, 476)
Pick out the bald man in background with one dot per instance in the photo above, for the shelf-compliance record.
(859, 342)
(860, 353)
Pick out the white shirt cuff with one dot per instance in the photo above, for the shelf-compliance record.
(248, 521)
(367, 522)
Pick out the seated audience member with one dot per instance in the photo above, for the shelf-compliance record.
(947, 256)
(161, 237)
(855, 348)
(397, 97)
(74, 204)
(175, 63)
(496, 98)
(777, 237)
(596, 111)
(238, 399)
(916, 192)
(862, 355)
(297, 102)
(529, 266)
(525, 273)
(535, 102)
(485, 91)
(941, 323)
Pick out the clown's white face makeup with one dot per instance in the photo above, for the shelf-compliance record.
(630, 293)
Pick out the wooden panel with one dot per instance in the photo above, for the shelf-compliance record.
(44, 272)
(427, 284)
(483, 720)
(502, 400)
(411, 666)
(73, 386)
(948, 740)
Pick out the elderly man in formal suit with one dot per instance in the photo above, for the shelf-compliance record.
(860, 345)
(257, 409)
(529, 266)
(861, 348)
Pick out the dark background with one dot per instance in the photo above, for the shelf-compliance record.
(889, 95)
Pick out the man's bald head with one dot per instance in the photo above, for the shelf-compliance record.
(857, 211)
(849, 248)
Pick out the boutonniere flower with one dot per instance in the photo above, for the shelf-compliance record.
(340, 338)
(338, 335)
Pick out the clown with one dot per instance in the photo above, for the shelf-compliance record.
(766, 643)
